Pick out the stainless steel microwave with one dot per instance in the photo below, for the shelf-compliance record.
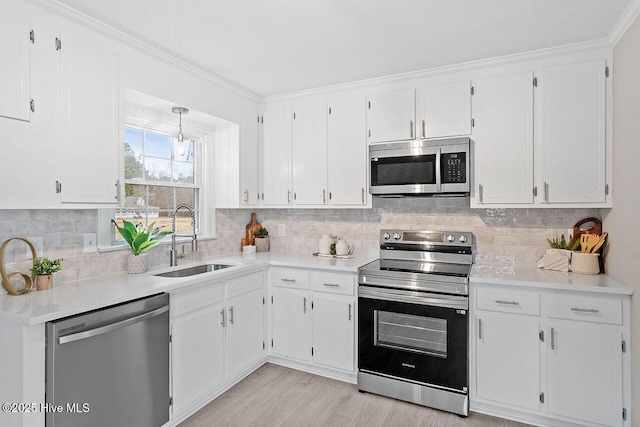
(421, 168)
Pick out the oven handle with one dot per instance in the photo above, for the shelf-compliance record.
(422, 298)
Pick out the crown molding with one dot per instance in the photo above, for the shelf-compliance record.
(541, 54)
(64, 11)
(628, 17)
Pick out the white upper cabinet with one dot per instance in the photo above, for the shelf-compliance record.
(90, 122)
(249, 156)
(310, 154)
(571, 133)
(15, 72)
(503, 139)
(444, 110)
(276, 154)
(347, 152)
(391, 116)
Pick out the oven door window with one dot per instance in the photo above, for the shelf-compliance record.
(425, 344)
(408, 332)
(404, 170)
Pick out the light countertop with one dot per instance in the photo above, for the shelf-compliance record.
(89, 294)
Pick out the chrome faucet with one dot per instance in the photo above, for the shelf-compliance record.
(194, 239)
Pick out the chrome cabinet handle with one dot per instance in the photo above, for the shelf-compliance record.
(553, 339)
(288, 280)
(411, 126)
(113, 326)
(479, 329)
(288, 196)
(369, 133)
(304, 304)
(363, 195)
(349, 311)
(222, 316)
(332, 285)
(117, 184)
(424, 130)
(546, 192)
(584, 310)
(499, 301)
(480, 191)
(324, 196)
(231, 315)
(246, 196)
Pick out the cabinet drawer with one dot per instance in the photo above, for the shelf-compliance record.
(586, 309)
(186, 302)
(334, 283)
(290, 278)
(244, 284)
(508, 301)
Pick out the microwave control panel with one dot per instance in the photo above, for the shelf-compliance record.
(454, 168)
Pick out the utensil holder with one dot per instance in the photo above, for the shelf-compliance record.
(585, 263)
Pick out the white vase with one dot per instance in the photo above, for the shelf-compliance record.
(324, 245)
(137, 264)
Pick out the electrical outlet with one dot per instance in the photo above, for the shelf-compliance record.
(89, 242)
(282, 230)
(38, 242)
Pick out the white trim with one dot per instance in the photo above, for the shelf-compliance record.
(628, 17)
(54, 6)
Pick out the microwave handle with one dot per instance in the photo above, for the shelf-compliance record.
(438, 171)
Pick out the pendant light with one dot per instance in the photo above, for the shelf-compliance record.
(181, 151)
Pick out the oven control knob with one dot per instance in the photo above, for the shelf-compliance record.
(386, 236)
(451, 238)
(462, 239)
(397, 236)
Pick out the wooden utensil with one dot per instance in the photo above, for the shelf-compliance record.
(592, 241)
(598, 245)
(584, 241)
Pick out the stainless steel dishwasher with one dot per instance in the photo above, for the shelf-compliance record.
(110, 367)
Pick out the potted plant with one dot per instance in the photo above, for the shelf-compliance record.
(140, 239)
(43, 269)
(262, 239)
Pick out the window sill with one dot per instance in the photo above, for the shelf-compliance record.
(164, 242)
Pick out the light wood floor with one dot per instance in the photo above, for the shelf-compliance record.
(278, 396)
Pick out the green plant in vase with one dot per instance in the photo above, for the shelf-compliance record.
(262, 239)
(43, 269)
(140, 239)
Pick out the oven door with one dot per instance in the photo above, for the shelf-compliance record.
(417, 336)
(405, 172)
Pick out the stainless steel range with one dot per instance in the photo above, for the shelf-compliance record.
(413, 323)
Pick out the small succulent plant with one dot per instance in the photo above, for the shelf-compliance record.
(562, 243)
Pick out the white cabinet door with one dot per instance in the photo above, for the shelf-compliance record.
(249, 156)
(290, 323)
(348, 152)
(90, 122)
(391, 116)
(585, 374)
(503, 135)
(444, 110)
(276, 154)
(333, 331)
(310, 154)
(508, 361)
(245, 326)
(15, 72)
(572, 132)
(197, 355)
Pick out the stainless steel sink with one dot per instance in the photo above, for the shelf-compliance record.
(192, 271)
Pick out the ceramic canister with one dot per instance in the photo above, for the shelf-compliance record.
(324, 244)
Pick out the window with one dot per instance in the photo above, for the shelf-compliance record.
(160, 174)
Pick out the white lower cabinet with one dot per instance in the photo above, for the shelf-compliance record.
(333, 331)
(197, 341)
(313, 317)
(550, 358)
(217, 332)
(508, 360)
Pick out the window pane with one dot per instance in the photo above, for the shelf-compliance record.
(183, 222)
(157, 169)
(185, 196)
(157, 145)
(132, 167)
(133, 142)
(183, 151)
(183, 172)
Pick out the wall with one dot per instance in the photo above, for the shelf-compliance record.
(621, 221)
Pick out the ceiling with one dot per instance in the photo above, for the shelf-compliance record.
(280, 46)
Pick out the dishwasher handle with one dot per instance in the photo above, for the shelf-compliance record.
(113, 326)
